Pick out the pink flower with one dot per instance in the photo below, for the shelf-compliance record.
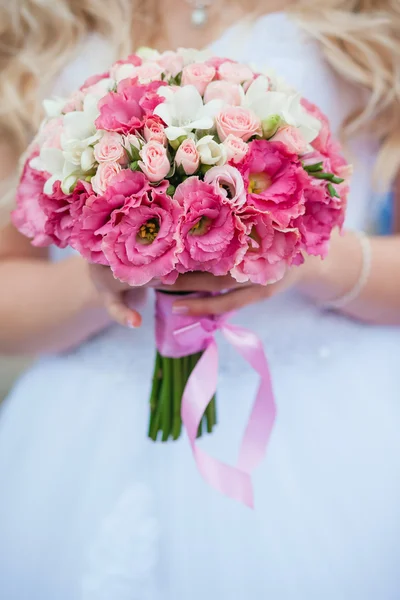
(238, 121)
(29, 217)
(199, 75)
(64, 211)
(235, 72)
(270, 250)
(236, 148)
(275, 181)
(128, 188)
(217, 61)
(105, 174)
(140, 242)
(154, 130)
(49, 135)
(75, 102)
(292, 139)
(324, 142)
(230, 93)
(209, 230)
(228, 183)
(149, 71)
(110, 148)
(155, 162)
(124, 111)
(171, 62)
(188, 157)
(322, 213)
(93, 80)
(132, 60)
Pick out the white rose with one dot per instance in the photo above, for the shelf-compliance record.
(211, 153)
(146, 53)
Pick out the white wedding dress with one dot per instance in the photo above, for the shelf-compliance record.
(90, 509)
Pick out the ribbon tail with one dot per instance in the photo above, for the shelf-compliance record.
(201, 387)
(261, 421)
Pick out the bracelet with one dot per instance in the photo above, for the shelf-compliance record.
(359, 285)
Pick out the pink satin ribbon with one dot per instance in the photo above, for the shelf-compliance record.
(181, 335)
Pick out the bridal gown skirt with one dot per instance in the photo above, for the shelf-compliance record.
(90, 509)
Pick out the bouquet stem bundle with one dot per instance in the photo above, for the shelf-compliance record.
(169, 381)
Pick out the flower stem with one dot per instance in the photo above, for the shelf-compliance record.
(155, 405)
(178, 377)
(166, 397)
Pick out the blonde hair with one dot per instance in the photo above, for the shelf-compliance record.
(361, 41)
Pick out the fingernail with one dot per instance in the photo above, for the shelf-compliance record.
(131, 325)
(180, 310)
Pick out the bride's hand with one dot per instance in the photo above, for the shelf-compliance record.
(113, 295)
(237, 296)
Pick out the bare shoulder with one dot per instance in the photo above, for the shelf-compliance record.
(12, 243)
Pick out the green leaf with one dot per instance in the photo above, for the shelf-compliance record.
(332, 192)
(135, 166)
(337, 180)
(171, 190)
(317, 167)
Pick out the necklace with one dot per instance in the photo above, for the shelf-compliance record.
(199, 16)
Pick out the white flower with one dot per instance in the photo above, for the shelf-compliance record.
(54, 106)
(52, 161)
(125, 71)
(184, 110)
(146, 53)
(288, 107)
(75, 157)
(211, 153)
(80, 125)
(190, 55)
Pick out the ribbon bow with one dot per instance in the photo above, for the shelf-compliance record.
(190, 336)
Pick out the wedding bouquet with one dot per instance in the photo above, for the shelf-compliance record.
(178, 162)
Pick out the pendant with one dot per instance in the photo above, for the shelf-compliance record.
(199, 16)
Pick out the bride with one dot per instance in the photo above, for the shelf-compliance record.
(89, 508)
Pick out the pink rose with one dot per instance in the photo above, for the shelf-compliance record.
(275, 181)
(110, 148)
(292, 139)
(188, 157)
(140, 242)
(64, 211)
(128, 188)
(171, 62)
(155, 162)
(124, 111)
(209, 230)
(238, 121)
(229, 93)
(270, 250)
(93, 80)
(131, 61)
(75, 102)
(228, 183)
(235, 72)
(29, 217)
(154, 130)
(199, 75)
(217, 61)
(149, 71)
(105, 174)
(236, 148)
